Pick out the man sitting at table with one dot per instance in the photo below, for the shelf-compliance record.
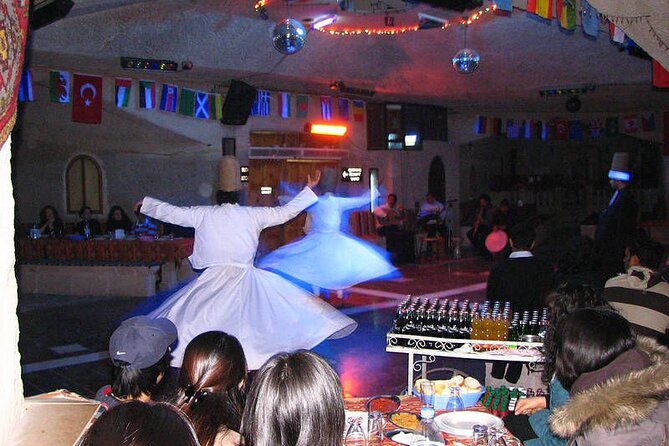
(88, 225)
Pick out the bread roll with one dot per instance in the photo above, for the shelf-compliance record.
(472, 383)
(458, 380)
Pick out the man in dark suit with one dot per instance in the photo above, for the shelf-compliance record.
(617, 223)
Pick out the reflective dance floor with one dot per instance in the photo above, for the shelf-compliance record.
(63, 340)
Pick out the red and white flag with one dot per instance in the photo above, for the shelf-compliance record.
(87, 99)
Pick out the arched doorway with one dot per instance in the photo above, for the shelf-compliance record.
(436, 182)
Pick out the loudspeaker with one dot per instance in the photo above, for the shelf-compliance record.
(238, 103)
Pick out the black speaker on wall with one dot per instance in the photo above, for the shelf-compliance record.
(238, 103)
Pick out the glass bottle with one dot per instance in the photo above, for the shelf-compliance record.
(454, 402)
(87, 230)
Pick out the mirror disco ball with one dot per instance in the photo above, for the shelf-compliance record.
(466, 61)
(289, 36)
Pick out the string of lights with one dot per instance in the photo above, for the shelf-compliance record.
(260, 8)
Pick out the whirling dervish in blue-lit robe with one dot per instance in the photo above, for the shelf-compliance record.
(326, 257)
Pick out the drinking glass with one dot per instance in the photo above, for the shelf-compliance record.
(427, 394)
(355, 434)
(375, 424)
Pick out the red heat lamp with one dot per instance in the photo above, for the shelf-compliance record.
(326, 129)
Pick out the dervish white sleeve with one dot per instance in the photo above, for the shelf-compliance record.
(168, 213)
(272, 216)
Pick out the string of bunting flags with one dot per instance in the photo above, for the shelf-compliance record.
(565, 129)
(85, 94)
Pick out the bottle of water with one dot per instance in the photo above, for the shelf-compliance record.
(87, 230)
(454, 402)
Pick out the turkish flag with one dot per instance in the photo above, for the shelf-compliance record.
(87, 99)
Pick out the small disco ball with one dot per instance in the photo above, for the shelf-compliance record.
(466, 61)
(289, 36)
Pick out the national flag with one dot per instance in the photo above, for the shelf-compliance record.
(343, 109)
(631, 123)
(648, 122)
(481, 125)
(147, 95)
(26, 92)
(504, 5)
(595, 128)
(326, 107)
(283, 104)
(512, 129)
(542, 8)
(215, 106)
(169, 95)
(548, 130)
(566, 13)
(660, 75)
(59, 86)
(530, 129)
(261, 104)
(359, 111)
(187, 102)
(575, 130)
(589, 19)
(611, 126)
(87, 99)
(561, 129)
(122, 89)
(301, 105)
(201, 105)
(494, 126)
(617, 34)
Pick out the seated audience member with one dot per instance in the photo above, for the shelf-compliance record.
(389, 217)
(579, 263)
(641, 294)
(295, 400)
(144, 226)
(482, 224)
(533, 430)
(431, 216)
(141, 424)
(140, 353)
(118, 219)
(212, 387)
(87, 220)
(505, 217)
(618, 384)
(50, 224)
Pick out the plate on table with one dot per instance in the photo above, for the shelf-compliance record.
(400, 436)
(404, 420)
(383, 403)
(461, 423)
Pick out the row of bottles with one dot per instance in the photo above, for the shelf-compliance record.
(461, 320)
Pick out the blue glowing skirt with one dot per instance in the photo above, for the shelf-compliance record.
(267, 313)
(330, 260)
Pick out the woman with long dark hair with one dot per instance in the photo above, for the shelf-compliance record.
(118, 219)
(618, 384)
(50, 224)
(295, 400)
(212, 387)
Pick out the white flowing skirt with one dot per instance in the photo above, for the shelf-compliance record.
(267, 313)
(330, 260)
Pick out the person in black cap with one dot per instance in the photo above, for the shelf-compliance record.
(140, 352)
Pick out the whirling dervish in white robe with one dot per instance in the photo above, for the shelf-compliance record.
(267, 313)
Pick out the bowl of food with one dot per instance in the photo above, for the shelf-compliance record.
(383, 403)
(405, 420)
(470, 390)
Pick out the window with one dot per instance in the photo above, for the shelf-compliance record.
(83, 185)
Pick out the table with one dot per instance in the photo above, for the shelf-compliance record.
(160, 251)
(410, 404)
(429, 348)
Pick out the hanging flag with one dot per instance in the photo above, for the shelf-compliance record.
(261, 104)
(301, 105)
(359, 111)
(595, 128)
(59, 86)
(215, 107)
(494, 126)
(529, 129)
(169, 95)
(147, 95)
(611, 126)
(648, 122)
(575, 130)
(87, 99)
(26, 93)
(283, 103)
(504, 5)
(542, 8)
(481, 125)
(631, 123)
(342, 109)
(187, 102)
(326, 107)
(201, 105)
(561, 129)
(566, 13)
(512, 129)
(122, 91)
(589, 19)
(660, 75)
(617, 34)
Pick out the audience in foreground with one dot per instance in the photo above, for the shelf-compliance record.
(295, 400)
(618, 384)
(212, 387)
(140, 353)
(140, 424)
